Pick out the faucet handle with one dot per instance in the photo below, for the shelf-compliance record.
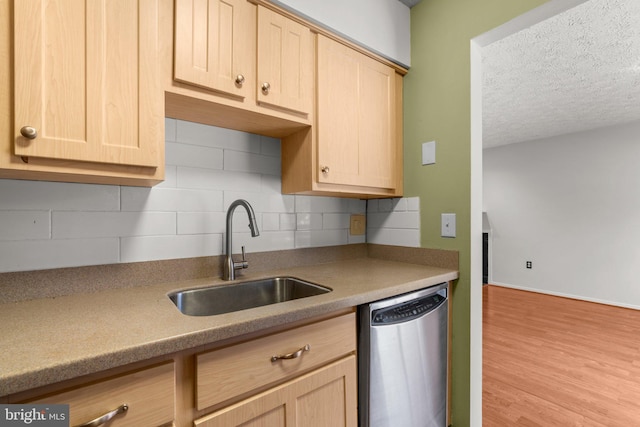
(241, 264)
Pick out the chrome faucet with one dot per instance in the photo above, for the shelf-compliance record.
(230, 266)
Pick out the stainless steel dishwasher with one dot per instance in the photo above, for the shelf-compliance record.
(402, 355)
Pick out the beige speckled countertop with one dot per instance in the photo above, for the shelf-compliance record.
(57, 338)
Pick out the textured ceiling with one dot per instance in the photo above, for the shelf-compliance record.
(576, 71)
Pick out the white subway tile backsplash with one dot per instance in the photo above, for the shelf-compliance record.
(303, 204)
(170, 177)
(335, 221)
(151, 248)
(413, 203)
(303, 239)
(279, 203)
(25, 225)
(399, 205)
(42, 195)
(329, 237)
(266, 241)
(211, 136)
(357, 206)
(394, 220)
(170, 129)
(201, 222)
(329, 204)
(74, 225)
(385, 205)
(270, 146)
(309, 221)
(52, 225)
(395, 237)
(250, 162)
(137, 199)
(255, 199)
(271, 184)
(287, 221)
(193, 156)
(357, 239)
(270, 222)
(322, 204)
(262, 202)
(216, 179)
(43, 254)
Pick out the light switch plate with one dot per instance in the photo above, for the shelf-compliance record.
(358, 225)
(428, 153)
(448, 225)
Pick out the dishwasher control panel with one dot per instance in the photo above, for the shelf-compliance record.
(406, 311)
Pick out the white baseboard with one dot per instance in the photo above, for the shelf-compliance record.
(560, 294)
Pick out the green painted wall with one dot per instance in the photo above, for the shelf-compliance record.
(437, 107)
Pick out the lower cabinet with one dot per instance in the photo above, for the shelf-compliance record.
(140, 398)
(298, 375)
(324, 397)
(231, 372)
(305, 376)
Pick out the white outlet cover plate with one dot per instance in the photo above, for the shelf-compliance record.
(448, 225)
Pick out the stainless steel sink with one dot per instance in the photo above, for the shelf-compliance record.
(241, 296)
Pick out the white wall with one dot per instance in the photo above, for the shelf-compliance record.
(379, 25)
(50, 225)
(571, 205)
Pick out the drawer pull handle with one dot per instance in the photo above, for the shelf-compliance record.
(293, 355)
(106, 417)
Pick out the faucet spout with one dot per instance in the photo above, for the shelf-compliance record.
(230, 266)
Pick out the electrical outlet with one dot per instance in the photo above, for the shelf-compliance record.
(529, 265)
(358, 225)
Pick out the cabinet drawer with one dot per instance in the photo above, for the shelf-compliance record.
(148, 393)
(236, 370)
(324, 397)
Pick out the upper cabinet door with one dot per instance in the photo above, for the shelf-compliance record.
(356, 118)
(215, 45)
(87, 86)
(285, 62)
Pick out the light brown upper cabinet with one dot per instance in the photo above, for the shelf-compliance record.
(355, 148)
(239, 55)
(356, 118)
(285, 62)
(215, 45)
(87, 93)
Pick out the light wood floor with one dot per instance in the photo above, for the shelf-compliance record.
(550, 361)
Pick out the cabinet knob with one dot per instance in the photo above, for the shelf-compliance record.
(29, 132)
(266, 87)
(239, 79)
(325, 169)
